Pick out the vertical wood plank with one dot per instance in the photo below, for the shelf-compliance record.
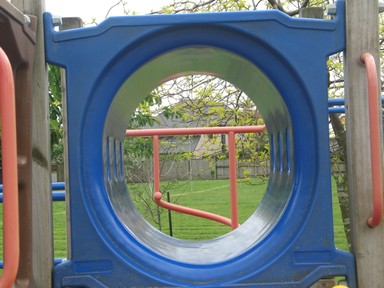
(42, 227)
(367, 243)
(41, 261)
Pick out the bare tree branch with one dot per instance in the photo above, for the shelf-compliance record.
(113, 6)
(277, 5)
(255, 5)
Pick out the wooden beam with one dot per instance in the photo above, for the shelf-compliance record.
(36, 270)
(367, 243)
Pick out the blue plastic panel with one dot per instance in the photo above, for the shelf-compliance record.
(280, 63)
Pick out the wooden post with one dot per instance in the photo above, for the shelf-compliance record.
(36, 268)
(367, 243)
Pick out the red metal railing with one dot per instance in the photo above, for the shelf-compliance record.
(374, 127)
(10, 180)
(231, 131)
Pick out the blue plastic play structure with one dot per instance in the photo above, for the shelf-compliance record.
(280, 63)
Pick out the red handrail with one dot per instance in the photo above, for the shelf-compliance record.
(231, 131)
(233, 178)
(157, 197)
(10, 180)
(375, 139)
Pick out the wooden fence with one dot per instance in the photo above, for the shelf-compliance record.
(197, 169)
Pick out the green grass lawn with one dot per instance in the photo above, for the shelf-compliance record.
(212, 196)
(60, 230)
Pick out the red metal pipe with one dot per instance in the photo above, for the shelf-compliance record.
(375, 139)
(231, 131)
(157, 197)
(10, 180)
(156, 164)
(195, 130)
(233, 179)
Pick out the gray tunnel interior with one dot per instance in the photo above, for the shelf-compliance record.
(243, 74)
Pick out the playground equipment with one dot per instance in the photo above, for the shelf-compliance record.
(9, 161)
(18, 42)
(374, 125)
(288, 241)
(297, 255)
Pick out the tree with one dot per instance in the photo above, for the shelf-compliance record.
(56, 114)
(203, 100)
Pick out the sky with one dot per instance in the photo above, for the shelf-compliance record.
(89, 9)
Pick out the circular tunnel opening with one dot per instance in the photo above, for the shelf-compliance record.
(195, 168)
(258, 87)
